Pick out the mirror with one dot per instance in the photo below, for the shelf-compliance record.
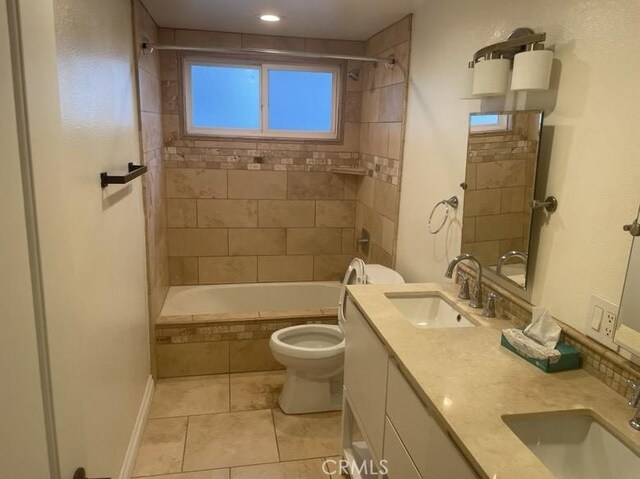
(502, 157)
(628, 330)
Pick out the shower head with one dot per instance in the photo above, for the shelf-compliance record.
(354, 74)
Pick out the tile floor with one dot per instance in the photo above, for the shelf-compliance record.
(229, 426)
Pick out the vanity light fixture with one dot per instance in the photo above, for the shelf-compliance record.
(531, 65)
(270, 17)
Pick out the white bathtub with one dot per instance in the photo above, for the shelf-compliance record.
(228, 298)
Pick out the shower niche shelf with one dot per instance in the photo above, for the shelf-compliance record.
(349, 171)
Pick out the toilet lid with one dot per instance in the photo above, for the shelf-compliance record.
(378, 274)
(354, 275)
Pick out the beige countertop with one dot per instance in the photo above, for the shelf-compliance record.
(471, 382)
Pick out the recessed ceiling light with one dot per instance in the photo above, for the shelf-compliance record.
(269, 18)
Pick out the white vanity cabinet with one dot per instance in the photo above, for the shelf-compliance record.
(397, 427)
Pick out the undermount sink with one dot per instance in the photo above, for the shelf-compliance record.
(426, 312)
(574, 445)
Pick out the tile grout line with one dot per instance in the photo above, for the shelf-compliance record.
(184, 448)
(275, 433)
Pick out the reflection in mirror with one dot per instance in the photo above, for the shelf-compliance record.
(502, 157)
(628, 330)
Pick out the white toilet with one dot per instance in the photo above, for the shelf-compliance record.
(314, 353)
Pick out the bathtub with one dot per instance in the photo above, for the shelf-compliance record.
(231, 298)
(226, 328)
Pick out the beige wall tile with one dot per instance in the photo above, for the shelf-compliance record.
(183, 271)
(171, 97)
(290, 213)
(196, 183)
(274, 42)
(370, 105)
(468, 230)
(487, 252)
(314, 240)
(168, 64)
(392, 103)
(181, 213)
(285, 268)
(201, 38)
(355, 85)
(228, 213)
(385, 199)
(321, 186)
(151, 131)
(500, 174)
(170, 128)
(192, 359)
(379, 256)
(256, 241)
(353, 106)
(513, 199)
(365, 192)
(330, 267)
(237, 269)
(351, 186)
(197, 242)
(499, 227)
(335, 213)
(249, 355)
(348, 240)
(388, 235)
(482, 202)
(150, 96)
(401, 68)
(263, 185)
(342, 47)
(374, 139)
(395, 141)
(393, 35)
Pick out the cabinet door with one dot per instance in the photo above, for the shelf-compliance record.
(365, 375)
(432, 450)
(398, 463)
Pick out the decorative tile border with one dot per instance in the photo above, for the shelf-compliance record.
(607, 366)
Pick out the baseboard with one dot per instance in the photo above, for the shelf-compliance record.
(138, 428)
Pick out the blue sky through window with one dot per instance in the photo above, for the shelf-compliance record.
(225, 97)
(484, 120)
(300, 100)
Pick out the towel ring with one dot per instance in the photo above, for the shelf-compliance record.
(450, 203)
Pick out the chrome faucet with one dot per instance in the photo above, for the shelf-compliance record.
(476, 294)
(635, 402)
(511, 254)
(489, 310)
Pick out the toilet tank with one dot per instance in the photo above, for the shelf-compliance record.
(378, 274)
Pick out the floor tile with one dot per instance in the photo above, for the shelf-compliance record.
(190, 396)
(302, 436)
(216, 474)
(230, 439)
(308, 469)
(333, 466)
(162, 447)
(251, 391)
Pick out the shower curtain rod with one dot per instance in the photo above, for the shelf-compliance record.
(150, 47)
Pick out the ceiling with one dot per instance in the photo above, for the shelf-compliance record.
(341, 19)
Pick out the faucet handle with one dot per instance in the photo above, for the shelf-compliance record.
(635, 397)
(493, 296)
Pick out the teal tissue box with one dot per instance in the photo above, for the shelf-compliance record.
(569, 359)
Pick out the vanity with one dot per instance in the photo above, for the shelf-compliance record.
(430, 393)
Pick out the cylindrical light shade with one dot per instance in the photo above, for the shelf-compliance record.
(467, 92)
(491, 77)
(532, 70)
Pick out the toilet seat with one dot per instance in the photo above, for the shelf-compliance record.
(308, 341)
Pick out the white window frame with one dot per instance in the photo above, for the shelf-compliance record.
(264, 131)
(504, 123)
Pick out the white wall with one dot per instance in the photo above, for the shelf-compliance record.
(23, 442)
(80, 88)
(594, 159)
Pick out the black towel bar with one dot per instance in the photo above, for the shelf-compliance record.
(134, 172)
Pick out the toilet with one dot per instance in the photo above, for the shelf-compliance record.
(314, 353)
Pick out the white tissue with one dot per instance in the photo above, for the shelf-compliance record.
(543, 329)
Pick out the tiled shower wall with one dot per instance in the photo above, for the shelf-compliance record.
(384, 96)
(252, 210)
(500, 172)
(150, 104)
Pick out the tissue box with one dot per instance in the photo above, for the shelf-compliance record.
(569, 359)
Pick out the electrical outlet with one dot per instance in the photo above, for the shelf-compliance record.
(601, 322)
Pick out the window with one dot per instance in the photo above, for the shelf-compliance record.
(264, 100)
(488, 122)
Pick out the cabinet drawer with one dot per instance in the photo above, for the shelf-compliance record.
(365, 375)
(399, 464)
(432, 450)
